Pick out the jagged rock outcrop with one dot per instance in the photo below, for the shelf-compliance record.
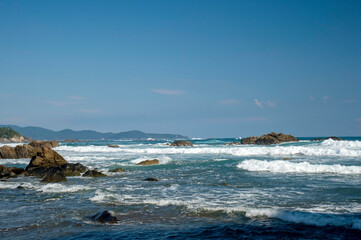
(73, 169)
(148, 162)
(47, 144)
(104, 217)
(93, 173)
(333, 138)
(55, 175)
(44, 159)
(271, 138)
(182, 143)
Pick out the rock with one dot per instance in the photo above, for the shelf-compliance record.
(20, 187)
(93, 173)
(41, 144)
(113, 146)
(318, 139)
(70, 140)
(5, 172)
(287, 159)
(148, 162)
(17, 171)
(182, 144)
(20, 151)
(73, 169)
(271, 138)
(104, 217)
(151, 179)
(7, 152)
(54, 175)
(117, 170)
(45, 158)
(233, 143)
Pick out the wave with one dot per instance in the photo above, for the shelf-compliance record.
(345, 149)
(162, 159)
(281, 166)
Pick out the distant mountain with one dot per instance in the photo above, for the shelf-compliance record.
(46, 134)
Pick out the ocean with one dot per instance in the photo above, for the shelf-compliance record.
(209, 191)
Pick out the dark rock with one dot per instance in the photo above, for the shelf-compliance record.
(54, 175)
(271, 138)
(93, 173)
(5, 172)
(113, 146)
(70, 140)
(287, 159)
(20, 187)
(104, 217)
(73, 169)
(45, 158)
(17, 171)
(41, 144)
(182, 144)
(233, 143)
(148, 162)
(117, 170)
(151, 179)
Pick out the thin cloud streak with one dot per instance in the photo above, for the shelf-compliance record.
(168, 91)
(267, 103)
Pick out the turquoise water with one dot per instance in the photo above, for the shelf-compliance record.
(208, 191)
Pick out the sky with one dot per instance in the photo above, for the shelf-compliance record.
(196, 68)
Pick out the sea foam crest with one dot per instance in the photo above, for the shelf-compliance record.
(308, 218)
(281, 166)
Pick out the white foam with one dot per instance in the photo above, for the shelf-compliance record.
(61, 188)
(280, 166)
(316, 219)
(326, 148)
(162, 159)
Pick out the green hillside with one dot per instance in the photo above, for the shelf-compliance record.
(7, 132)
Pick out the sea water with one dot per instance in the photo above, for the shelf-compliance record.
(209, 191)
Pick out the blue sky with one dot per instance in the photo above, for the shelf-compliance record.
(197, 68)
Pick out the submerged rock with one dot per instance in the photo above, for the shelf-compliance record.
(148, 162)
(271, 138)
(104, 217)
(117, 170)
(183, 143)
(151, 180)
(113, 146)
(54, 175)
(93, 173)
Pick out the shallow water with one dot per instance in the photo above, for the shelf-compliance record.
(209, 191)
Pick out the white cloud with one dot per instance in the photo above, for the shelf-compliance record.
(168, 91)
(267, 103)
(258, 103)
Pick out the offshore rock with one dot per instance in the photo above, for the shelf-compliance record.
(41, 144)
(113, 146)
(117, 170)
(73, 169)
(93, 173)
(104, 217)
(333, 138)
(148, 162)
(271, 138)
(54, 175)
(45, 158)
(183, 143)
(5, 172)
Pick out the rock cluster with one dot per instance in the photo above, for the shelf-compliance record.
(182, 143)
(93, 173)
(271, 138)
(25, 150)
(8, 172)
(333, 138)
(16, 139)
